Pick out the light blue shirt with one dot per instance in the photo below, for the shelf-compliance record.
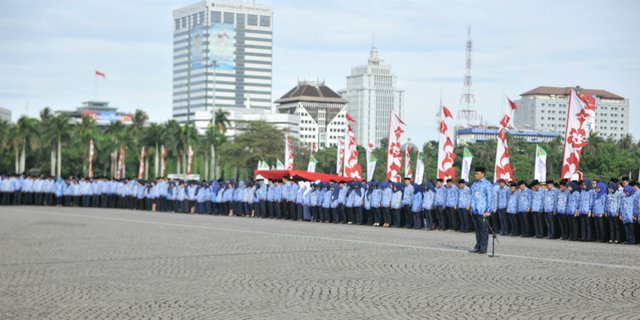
(482, 197)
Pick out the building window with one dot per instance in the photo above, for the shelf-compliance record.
(228, 17)
(252, 20)
(265, 21)
(216, 16)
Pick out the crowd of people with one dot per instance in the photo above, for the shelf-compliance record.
(587, 210)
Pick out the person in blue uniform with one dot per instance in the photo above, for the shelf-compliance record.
(407, 198)
(573, 211)
(599, 208)
(464, 205)
(537, 209)
(561, 210)
(628, 217)
(451, 205)
(549, 207)
(512, 209)
(396, 204)
(416, 207)
(524, 209)
(501, 207)
(358, 202)
(439, 205)
(587, 199)
(385, 203)
(375, 202)
(614, 201)
(348, 203)
(428, 198)
(335, 195)
(481, 203)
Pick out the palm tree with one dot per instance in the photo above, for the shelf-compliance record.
(116, 131)
(221, 120)
(5, 134)
(154, 135)
(27, 136)
(172, 137)
(46, 116)
(210, 142)
(85, 132)
(59, 132)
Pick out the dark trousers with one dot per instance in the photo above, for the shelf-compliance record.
(536, 224)
(551, 221)
(359, 216)
(262, 209)
(465, 224)
(428, 219)
(504, 222)
(514, 219)
(336, 215)
(386, 215)
(452, 216)
(350, 214)
(442, 218)
(376, 215)
(565, 231)
(417, 220)
(630, 232)
(408, 216)
(586, 228)
(86, 201)
(482, 233)
(601, 225)
(396, 217)
(614, 229)
(574, 224)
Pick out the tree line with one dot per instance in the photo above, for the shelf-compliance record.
(54, 145)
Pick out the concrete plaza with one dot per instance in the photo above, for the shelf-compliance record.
(71, 263)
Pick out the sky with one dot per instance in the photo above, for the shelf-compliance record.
(50, 50)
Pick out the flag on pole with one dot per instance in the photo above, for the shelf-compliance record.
(446, 156)
(162, 161)
(467, 157)
(100, 74)
(288, 153)
(541, 164)
(312, 163)
(371, 162)
(579, 113)
(120, 173)
(190, 160)
(91, 159)
(419, 168)
(503, 168)
(279, 165)
(351, 167)
(407, 162)
(394, 148)
(340, 155)
(141, 170)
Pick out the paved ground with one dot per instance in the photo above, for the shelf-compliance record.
(59, 263)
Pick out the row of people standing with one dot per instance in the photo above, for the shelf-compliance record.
(587, 210)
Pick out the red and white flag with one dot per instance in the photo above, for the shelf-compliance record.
(581, 109)
(340, 155)
(163, 154)
(446, 156)
(288, 153)
(190, 160)
(141, 171)
(371, 162)
(503, 168)
(120, 173)
(351, 167)
(100, 74)
(407, 162)
(394, 149)
(91, 159)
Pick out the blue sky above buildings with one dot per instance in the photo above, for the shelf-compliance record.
(51, 48)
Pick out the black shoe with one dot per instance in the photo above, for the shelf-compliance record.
(474, 251)
(482, 252)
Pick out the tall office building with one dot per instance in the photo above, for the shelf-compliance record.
(372, 95)
(222, 57)
(545, 109)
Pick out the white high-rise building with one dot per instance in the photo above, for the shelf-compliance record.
(545, 109)
(372, 95)
(222, 57)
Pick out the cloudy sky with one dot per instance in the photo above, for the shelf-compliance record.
(50, 50)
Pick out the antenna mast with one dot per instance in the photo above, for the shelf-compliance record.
(467, 112)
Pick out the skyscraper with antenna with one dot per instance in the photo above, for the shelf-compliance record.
(467, 112)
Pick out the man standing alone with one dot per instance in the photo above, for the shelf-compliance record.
(481, 201)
